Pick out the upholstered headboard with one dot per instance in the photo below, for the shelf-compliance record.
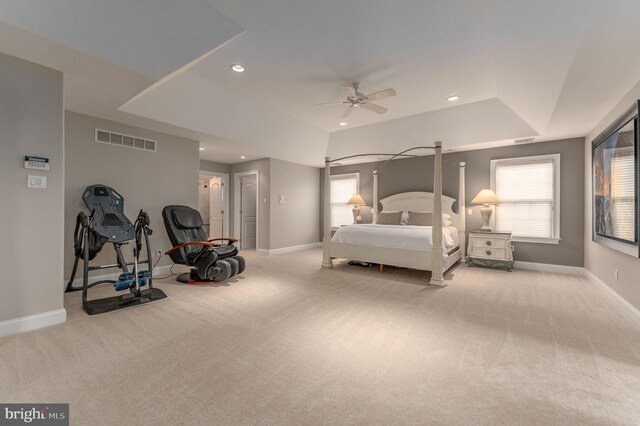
(419, 202)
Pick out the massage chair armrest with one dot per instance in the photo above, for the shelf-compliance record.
(191, 243)
(231, 240)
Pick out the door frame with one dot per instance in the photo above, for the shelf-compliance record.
(237, 203)
(225, 195)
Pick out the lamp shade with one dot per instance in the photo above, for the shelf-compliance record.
(356, 200)
(486, 196)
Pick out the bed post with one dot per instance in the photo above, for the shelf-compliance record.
(437, 267)
(326, 238)
(374, 208)
(462, 210)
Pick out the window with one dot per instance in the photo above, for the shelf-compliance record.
(342, 188)
(529, 193)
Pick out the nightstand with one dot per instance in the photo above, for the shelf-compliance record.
(490, 248)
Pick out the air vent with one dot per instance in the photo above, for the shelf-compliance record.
(128, 141)
(522, 141)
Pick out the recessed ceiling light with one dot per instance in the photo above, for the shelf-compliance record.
(237, 68)
(243, 157)
(453, 98)
(201, 149)
(343, 123)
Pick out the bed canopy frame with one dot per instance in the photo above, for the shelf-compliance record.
(437, 266)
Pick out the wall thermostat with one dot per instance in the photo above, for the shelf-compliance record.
(37, 163)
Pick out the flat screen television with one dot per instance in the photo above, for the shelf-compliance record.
(615, 184)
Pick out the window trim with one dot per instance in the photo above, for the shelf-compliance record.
(343, 176)
(555, 158)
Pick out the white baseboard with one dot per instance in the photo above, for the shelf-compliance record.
(289, 249)
(629, 309)
(32, 322)
(547, 267)
(77, 282)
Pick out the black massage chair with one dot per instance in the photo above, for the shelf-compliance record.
(191, 247)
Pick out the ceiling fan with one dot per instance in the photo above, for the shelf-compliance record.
(356, 99)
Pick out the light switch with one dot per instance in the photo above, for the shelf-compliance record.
(280, 199)
(469, 212)
(39, 182)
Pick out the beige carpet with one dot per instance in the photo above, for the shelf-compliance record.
(291, 343)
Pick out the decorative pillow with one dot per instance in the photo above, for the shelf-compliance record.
(447, 222)
(405, 217)
(420, 219)
(389, 218)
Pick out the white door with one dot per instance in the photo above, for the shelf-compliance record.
(204, 201)
(248, 212)
(216, 207)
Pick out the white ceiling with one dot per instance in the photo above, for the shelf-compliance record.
(549, 69)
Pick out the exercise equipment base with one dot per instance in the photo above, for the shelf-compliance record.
(108, 304)
(186, 278)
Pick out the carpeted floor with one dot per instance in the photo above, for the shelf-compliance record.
(291, 343)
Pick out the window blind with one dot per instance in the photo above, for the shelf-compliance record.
(342, 188)
(526, 193)
(623, 197)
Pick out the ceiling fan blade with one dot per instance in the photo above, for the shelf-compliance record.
(347, 111)
(375, 108)
(333, 103)
(350, 91)
(381, 94)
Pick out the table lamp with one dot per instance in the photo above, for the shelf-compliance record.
(486, 197)
(356, 201)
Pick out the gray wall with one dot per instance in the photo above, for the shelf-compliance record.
(263, 166)
(32, 226)
(279, 226)
(147, 180)
(416, 174)
(294, 222)
(600, 260)
(212, 166)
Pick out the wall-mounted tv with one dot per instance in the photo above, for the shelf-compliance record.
(615, 184)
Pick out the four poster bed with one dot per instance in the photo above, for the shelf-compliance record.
(402, 245)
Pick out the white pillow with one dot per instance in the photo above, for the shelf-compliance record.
(446, 218)
(405, 218)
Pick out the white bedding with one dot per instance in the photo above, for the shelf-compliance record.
(395, 236)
